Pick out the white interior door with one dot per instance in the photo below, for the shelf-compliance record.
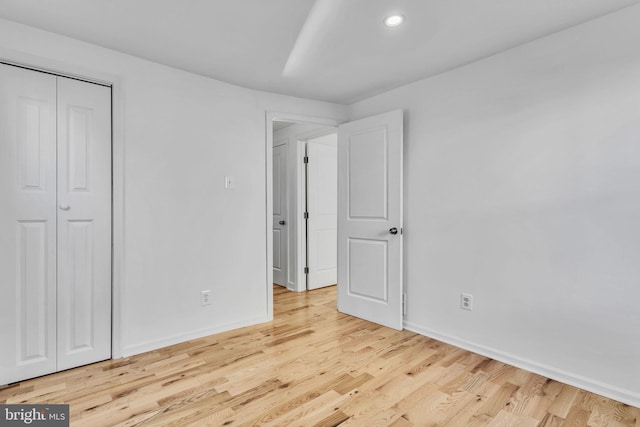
(280, 225)
(55, 223)
(27, 224)
(370, 219)
(84, 223)
(322, 204)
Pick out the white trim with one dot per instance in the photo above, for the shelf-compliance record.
(301, 247)
(55, 72)
(594, 386)
(268, 191)
(118, 218)
(292, 117)
(118, 155)
(181, 338)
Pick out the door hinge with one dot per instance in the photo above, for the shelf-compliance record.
(306, 215)
(306, 270)
(402, 231)
(306, 159)
(404, 304)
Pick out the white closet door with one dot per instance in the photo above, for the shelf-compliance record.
(27, 224)
(84, 223)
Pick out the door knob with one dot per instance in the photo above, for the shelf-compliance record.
(393, 230)
(282, 222)
(65, 207)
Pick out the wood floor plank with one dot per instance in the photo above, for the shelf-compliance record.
(313, 366)
(563, 403)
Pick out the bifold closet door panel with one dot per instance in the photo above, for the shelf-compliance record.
(27, 224)
(84, 223)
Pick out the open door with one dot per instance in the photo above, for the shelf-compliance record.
(322, 201)
(370, 219)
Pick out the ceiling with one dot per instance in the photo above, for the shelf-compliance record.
(330, 50)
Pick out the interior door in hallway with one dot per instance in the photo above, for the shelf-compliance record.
(322, 205)
(280, 226)
(370, 219)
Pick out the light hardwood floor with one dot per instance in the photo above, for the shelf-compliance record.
(313, 366)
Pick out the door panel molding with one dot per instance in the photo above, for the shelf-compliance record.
(368, 159)
(369, 209)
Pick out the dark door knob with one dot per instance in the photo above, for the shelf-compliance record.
(393, 230)
(281, 222)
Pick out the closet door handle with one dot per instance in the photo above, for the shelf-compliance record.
(64, 207)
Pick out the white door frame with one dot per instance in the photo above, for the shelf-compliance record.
(66, 69)
(270, 116)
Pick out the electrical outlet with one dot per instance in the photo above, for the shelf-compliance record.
(205, 297)
(466, 301)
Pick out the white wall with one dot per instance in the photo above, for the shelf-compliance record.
(522, 177)
(177, 135)
(522, 187)
(294, 136)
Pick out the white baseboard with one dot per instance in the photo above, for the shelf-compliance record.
(594, 386)
(150, 345)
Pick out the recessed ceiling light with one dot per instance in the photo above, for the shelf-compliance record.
(394, 20)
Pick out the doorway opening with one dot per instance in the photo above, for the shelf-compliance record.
(369, 205)
(304, 204)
